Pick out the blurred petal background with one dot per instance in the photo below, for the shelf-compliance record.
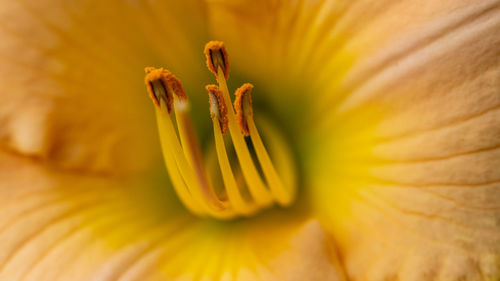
(391, 108)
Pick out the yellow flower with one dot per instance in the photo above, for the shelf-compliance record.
(390, 110)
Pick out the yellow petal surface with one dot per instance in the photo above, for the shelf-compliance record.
(420, 157)
(391, 107)
(405, 100)
(71, 77)
(83, 191)
(62, 226)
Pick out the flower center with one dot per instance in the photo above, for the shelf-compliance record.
(261, 186)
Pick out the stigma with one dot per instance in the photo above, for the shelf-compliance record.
(262, 184)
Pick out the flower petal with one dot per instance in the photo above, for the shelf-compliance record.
(405, 124)
(71, 77)
(61, 226)
(414, 189)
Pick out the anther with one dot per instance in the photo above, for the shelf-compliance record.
(217, 107)
(243, 106)
(161, 84)
(217, 56)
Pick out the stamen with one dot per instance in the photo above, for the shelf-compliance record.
(256, 186)
(243, 106)
(183, 156)
(165, 88)
(192, 152)
(217, 56)
(180, 187)
(217, 108)
(189, 176)
(232, 189)
(244, 111)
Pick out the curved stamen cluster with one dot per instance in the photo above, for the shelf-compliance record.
(184, 159)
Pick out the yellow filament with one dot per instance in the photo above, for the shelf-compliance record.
(189, 175)
(192, 151)
(172, 168)
(283, 196)
(233, 192)
(281, 155)
(186, 171)
(256, 186)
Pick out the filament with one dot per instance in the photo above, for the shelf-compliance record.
(183, 155)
